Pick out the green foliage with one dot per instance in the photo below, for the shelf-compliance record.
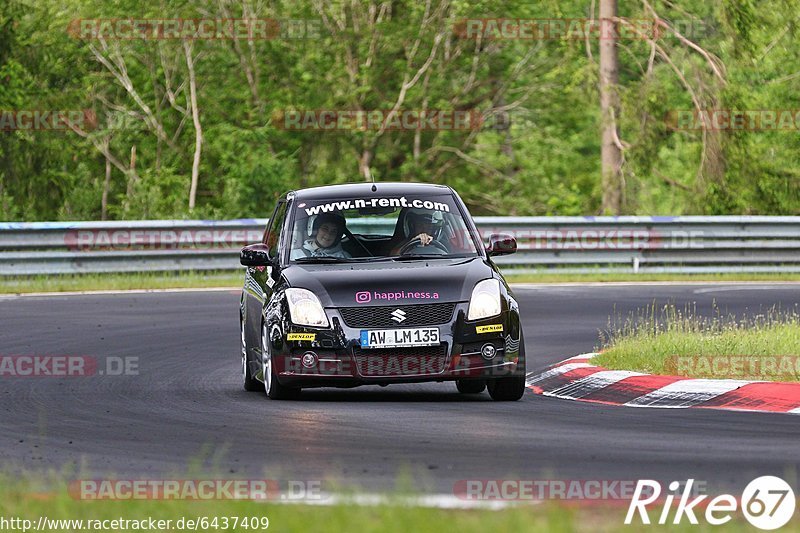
(158, 194)
(539, 156)
(252, 178)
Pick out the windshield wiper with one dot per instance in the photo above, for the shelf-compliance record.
(323, 259)
(411, 257)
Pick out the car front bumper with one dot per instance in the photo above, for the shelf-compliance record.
(337, 359)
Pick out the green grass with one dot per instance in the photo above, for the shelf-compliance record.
(126, 281)
(674, 341)
(26, 499)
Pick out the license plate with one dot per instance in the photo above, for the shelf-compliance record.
(399, 338)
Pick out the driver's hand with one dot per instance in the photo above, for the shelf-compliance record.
(424, 239)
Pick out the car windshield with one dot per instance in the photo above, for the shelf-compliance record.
(380, 228)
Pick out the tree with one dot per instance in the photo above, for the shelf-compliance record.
(611, 148)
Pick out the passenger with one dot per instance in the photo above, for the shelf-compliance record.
(326, 238)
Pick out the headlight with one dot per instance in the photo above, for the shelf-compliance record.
(305, 309)
(485, 300)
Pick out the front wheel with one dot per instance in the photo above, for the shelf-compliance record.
(508, 389)
(248, 381)
(272, 386)
(470, 386)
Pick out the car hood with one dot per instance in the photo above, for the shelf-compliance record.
(389, 283)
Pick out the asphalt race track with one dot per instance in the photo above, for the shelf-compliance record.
(186, 410)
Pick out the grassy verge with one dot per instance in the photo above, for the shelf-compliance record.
(673, 341)
(24, 500)
(126, 281)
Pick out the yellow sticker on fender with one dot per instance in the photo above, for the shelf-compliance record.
(491, 328)
(301, 336)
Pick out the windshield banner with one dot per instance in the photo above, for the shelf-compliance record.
(358, 203)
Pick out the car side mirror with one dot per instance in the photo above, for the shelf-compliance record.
(255, 255)
(501, 244)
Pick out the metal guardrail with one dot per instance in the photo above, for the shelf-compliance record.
(545, 244)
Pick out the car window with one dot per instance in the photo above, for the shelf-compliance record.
(380, 226)
(273, 233)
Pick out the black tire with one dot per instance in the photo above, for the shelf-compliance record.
(471, 386)
(274, 389)
(508, 389)
(512, 388)
(248, 381)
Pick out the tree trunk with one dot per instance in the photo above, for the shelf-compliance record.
(198, 130)
(132, 176)
(364, 164)
(104, 199)
(611, 153)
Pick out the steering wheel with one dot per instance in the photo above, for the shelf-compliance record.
(417, 242)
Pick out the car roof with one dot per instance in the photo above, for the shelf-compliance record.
(364, 189)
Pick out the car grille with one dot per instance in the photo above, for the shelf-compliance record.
(401, 361)
(381, 317)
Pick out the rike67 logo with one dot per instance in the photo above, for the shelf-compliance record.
(768, 502)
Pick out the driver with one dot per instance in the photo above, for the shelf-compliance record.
(423, 225)
(326, 237)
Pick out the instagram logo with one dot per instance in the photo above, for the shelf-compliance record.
(363, 297)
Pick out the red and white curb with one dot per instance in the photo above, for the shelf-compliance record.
(577, 378)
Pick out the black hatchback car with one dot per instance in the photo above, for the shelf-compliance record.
(378, 284)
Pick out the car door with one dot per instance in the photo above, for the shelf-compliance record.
(260, 280)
